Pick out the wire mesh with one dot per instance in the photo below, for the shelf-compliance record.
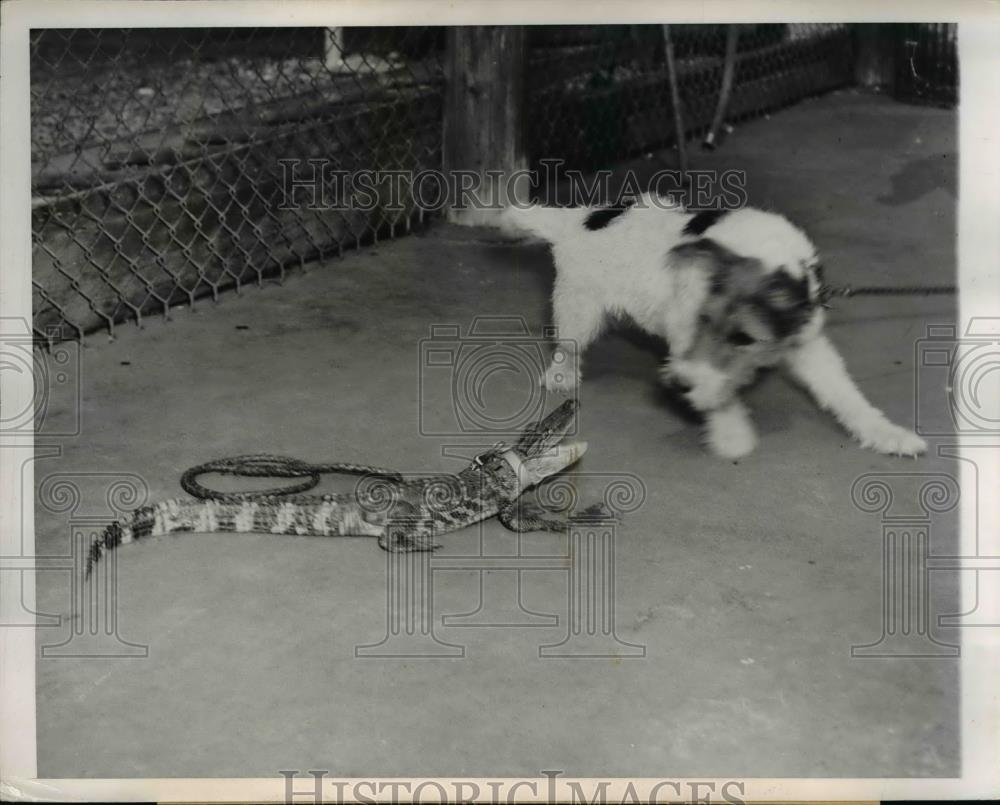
(601, 93)
(161, 158)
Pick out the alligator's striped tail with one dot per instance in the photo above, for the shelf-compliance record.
(325, 516)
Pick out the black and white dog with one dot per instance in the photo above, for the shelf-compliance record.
(730, 291)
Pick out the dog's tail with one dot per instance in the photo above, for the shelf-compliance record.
(552, 224)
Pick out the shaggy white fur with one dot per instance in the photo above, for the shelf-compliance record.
(731, 292)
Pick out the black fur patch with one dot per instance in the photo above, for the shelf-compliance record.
(779, 300)
(599, 219)
(783, 302)
(723, 260)
(703, 220)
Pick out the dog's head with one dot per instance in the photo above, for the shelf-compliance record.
(758, 291)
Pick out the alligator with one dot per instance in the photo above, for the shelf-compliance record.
(403, 514)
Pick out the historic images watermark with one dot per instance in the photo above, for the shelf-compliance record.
(53, 367)
(480, 388)
(89, 502)
(85, 502)
(907, 504)
(317, 786)
(584, 569)
(966, 369)
(320, 184)
(956, 386)
(485, 378)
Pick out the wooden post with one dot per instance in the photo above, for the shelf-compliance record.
(333, 49)
(874, 55)
(484, 106)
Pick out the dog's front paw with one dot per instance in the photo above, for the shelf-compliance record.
(734, 446)
(559, 377)
(892, 440)
(730, 434)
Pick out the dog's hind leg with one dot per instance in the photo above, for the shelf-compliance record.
(578, 319)
(819, 367)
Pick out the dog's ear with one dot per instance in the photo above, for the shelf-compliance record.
(689, 280)
(705, 279)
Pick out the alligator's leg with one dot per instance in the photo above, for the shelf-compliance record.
(595, 511)
(520, 517)
(405, 531)
(403, 542)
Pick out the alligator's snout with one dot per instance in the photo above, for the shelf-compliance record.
(572, 451)
(562, 417)
(550, 462)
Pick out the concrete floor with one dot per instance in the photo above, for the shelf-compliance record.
(746, 583)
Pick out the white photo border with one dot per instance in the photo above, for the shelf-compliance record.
(979, 279)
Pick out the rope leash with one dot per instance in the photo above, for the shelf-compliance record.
(262, 465)
(848, 291)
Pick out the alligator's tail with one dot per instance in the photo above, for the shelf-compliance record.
(118, 533)
(154, 520)
(321, 516)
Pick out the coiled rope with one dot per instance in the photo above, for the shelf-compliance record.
(262, 465)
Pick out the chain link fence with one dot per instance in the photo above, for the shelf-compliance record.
(161, 158)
